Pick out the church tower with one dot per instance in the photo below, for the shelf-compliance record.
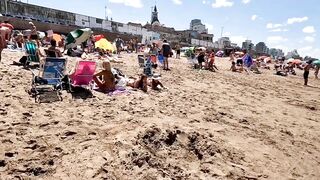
(154, 17)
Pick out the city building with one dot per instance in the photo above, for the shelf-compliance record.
(261, 48)
(247, 45)
(196, 25)
(276, 53)
(293, 54)
(224, 42)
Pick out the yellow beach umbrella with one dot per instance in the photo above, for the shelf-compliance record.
(105, 45)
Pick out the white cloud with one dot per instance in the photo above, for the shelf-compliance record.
(279, 30)
(254, 17)
(309, 29)
(271, 25)
(222, 3)
(205, 2)
(246, 1)
(238, 39)
(276, 39)
(131, 3)
(297, 20)
(309, 39)
(178, 2)
(309, 51)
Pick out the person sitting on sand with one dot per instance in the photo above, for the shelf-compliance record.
(201, 59)
(290, 68)
(234, 68)
(141, 83)
(105, 80)
(53, 51)
(154, 83)
(85, 54)
(279, 71)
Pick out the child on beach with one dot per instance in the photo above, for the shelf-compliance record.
(107, 83)
(211, 63)
(234, 67)
(306, 72)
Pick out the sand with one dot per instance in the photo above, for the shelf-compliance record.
(206, 125)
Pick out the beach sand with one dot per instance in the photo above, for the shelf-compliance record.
(206, 125)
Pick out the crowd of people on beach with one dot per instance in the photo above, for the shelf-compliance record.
(159, 51)
(105, 80)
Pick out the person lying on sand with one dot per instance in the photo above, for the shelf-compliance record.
(154, 83)
(141, 83)
(105, 79)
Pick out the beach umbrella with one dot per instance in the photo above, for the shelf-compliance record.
(77, 37)
(159, 43)
(316, 62)
(201, 48)
(297, 61)
(98, 37)
(105, 45)
(57, 37)
(239, 53)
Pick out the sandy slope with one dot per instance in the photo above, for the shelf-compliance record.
(205, 126)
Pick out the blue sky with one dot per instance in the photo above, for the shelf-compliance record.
(285, 24)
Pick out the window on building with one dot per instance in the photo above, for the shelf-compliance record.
(99, 21)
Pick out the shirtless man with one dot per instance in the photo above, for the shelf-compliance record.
(306, 72)
(108, 80)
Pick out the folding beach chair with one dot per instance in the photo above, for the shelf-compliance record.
(141, 60)
(31, 51)
(48, 83)
(83, 74)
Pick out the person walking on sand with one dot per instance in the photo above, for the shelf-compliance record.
(166, 51)
(232, 58)
(306, 72)
(178, 51)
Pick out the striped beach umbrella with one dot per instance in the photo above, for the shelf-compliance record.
(77, 37)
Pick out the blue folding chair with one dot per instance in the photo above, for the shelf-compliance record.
(50, 78)
(31, 50)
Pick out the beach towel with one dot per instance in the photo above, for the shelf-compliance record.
(247, 60)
